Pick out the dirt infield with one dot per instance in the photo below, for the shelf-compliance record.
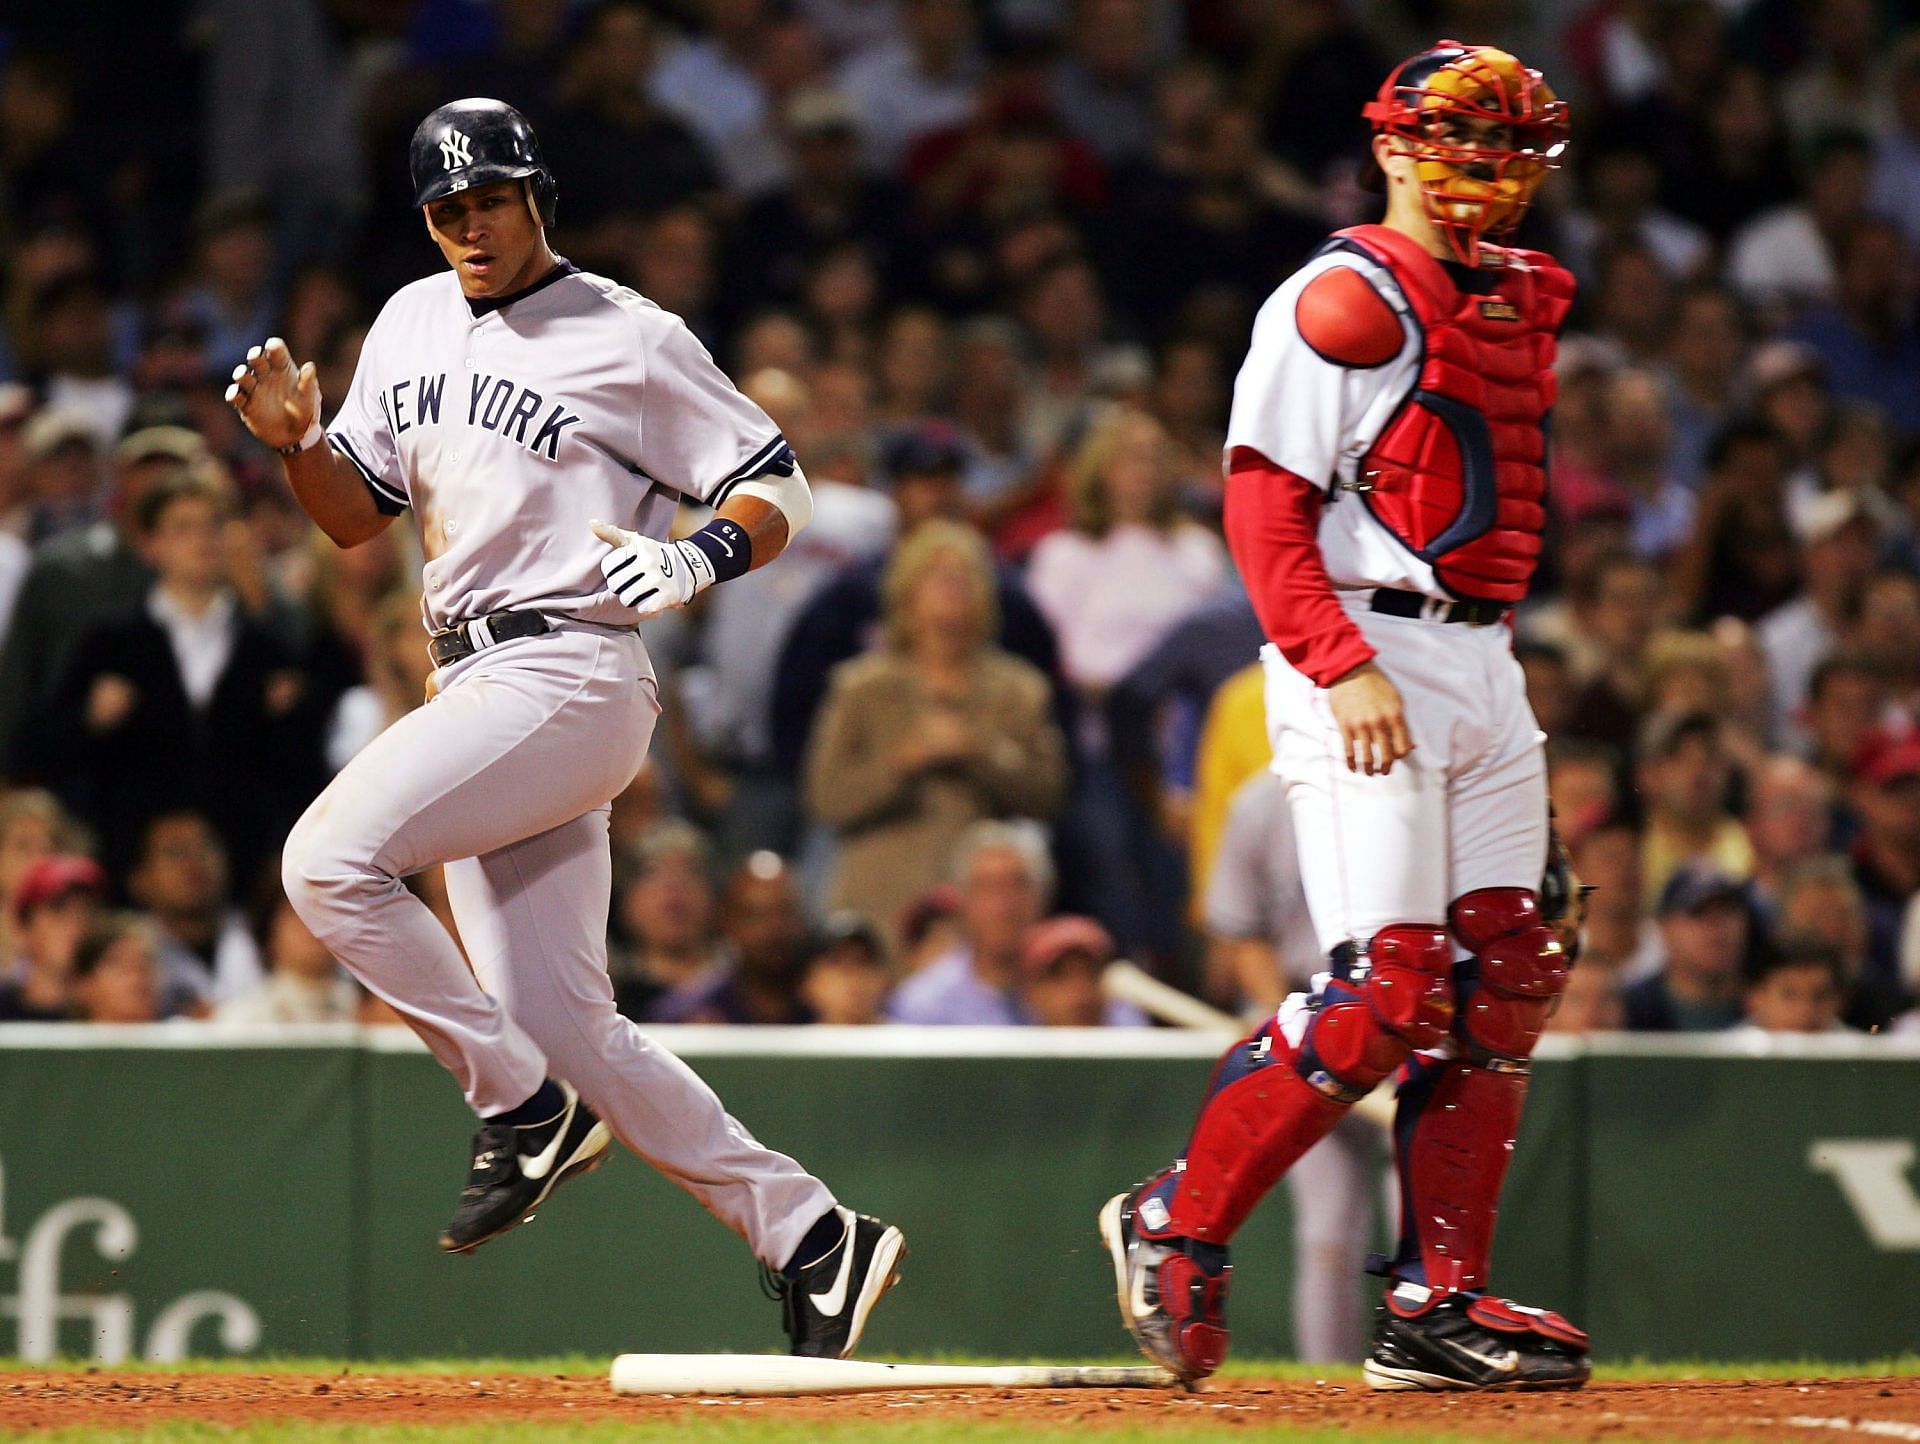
(1690, 1409)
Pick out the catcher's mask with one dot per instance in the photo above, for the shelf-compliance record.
(1483, 131)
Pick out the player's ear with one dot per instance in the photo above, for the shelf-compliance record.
(533, 207)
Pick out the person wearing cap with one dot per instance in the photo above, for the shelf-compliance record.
(1061, 964)
(1683, 771)
(63, 471)
(55, 904)
(1706, 929)
(848, 973)
(1886, 854)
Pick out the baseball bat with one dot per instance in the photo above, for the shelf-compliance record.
(747, 1375)
(1131, 984)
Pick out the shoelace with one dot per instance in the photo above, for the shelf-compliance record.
(780, 1288)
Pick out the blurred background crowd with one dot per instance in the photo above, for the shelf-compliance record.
(991, 265)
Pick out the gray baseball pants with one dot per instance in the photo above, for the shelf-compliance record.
(506, 777)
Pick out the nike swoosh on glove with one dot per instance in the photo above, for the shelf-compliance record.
(648, 575)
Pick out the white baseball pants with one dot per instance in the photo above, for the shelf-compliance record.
(1468, 808)
(506, 778)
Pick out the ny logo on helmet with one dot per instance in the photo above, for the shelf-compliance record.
(456, 150)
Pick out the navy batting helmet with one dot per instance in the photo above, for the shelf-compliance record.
(467, 143)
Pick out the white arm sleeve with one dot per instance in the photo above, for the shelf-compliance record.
(790, 494)
(361, 433)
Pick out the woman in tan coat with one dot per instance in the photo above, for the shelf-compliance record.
(934, 730)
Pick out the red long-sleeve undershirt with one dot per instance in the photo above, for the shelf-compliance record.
(1273, 522)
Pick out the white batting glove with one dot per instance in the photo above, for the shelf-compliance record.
(648, 575)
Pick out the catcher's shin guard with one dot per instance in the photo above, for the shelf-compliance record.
(1267, 1104)
(1458, 1118)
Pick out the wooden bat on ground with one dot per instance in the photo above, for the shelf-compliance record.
(1131, 984)
(741, 1375)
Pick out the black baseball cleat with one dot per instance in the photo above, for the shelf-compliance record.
(825, 1309)
(515, 1168)
(1473, 1343)
(1172, 1290)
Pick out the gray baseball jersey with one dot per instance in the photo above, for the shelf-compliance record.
(508, 428)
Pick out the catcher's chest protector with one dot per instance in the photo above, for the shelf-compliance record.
(1458, 474)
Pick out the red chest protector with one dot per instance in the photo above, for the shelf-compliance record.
(1458, 473)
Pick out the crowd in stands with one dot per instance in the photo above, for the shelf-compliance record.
(995, 719)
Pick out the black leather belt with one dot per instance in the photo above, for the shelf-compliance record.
(458, 643)
(1397, 603)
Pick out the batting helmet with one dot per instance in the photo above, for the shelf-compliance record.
(468, 143)
(1483, 129)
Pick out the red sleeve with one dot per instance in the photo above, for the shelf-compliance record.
(1272, 519)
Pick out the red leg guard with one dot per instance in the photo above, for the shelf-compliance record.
(1249, 1133)
(1452, 1143)
(1265, 1110)
(1518, 970)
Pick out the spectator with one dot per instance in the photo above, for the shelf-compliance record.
(1843, 83)
(765, 928)
(1684, 775)
(922, 82)
(1060, 969)
(1886, 858)
(1865, 335)
(1821, 902)
(204, 948)
(716, 83)
(1131, 565)
(935, 731)
(1619, 935)
(117, 973)
(232, 301)
(1583, 783)
(848, 974)
(31, 828)
(63, 472)
(397, 668)
(1103, 86)
(1705, 927)
(1889, 634)
(666, 953)
(1740, 558)
(617, 152)
(1785, 257)
(1231, 750)
(1261, 942)
(1798, 989)
(929, 927)
(55, 905)
(1615, 616)
(1621, 186)
(1005, 880)
(1789, 822)
(1702, 368)
(1896, 171)
(303, 984)
(1846, 702)
(1592, 1002)
(194, 681)
(1837, 557)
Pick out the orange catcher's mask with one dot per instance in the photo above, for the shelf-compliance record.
(1483, 131)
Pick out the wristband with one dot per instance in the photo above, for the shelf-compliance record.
(725, 545)
(306, 443)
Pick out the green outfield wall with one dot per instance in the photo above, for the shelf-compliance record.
(169, 1191)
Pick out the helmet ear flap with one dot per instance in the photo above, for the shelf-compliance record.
(541, 194)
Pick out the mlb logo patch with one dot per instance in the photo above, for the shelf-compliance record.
(1497, 308)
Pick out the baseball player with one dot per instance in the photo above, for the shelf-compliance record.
(1386, 473)
(542, 425)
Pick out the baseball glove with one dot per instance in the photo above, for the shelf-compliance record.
(1563, 897)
